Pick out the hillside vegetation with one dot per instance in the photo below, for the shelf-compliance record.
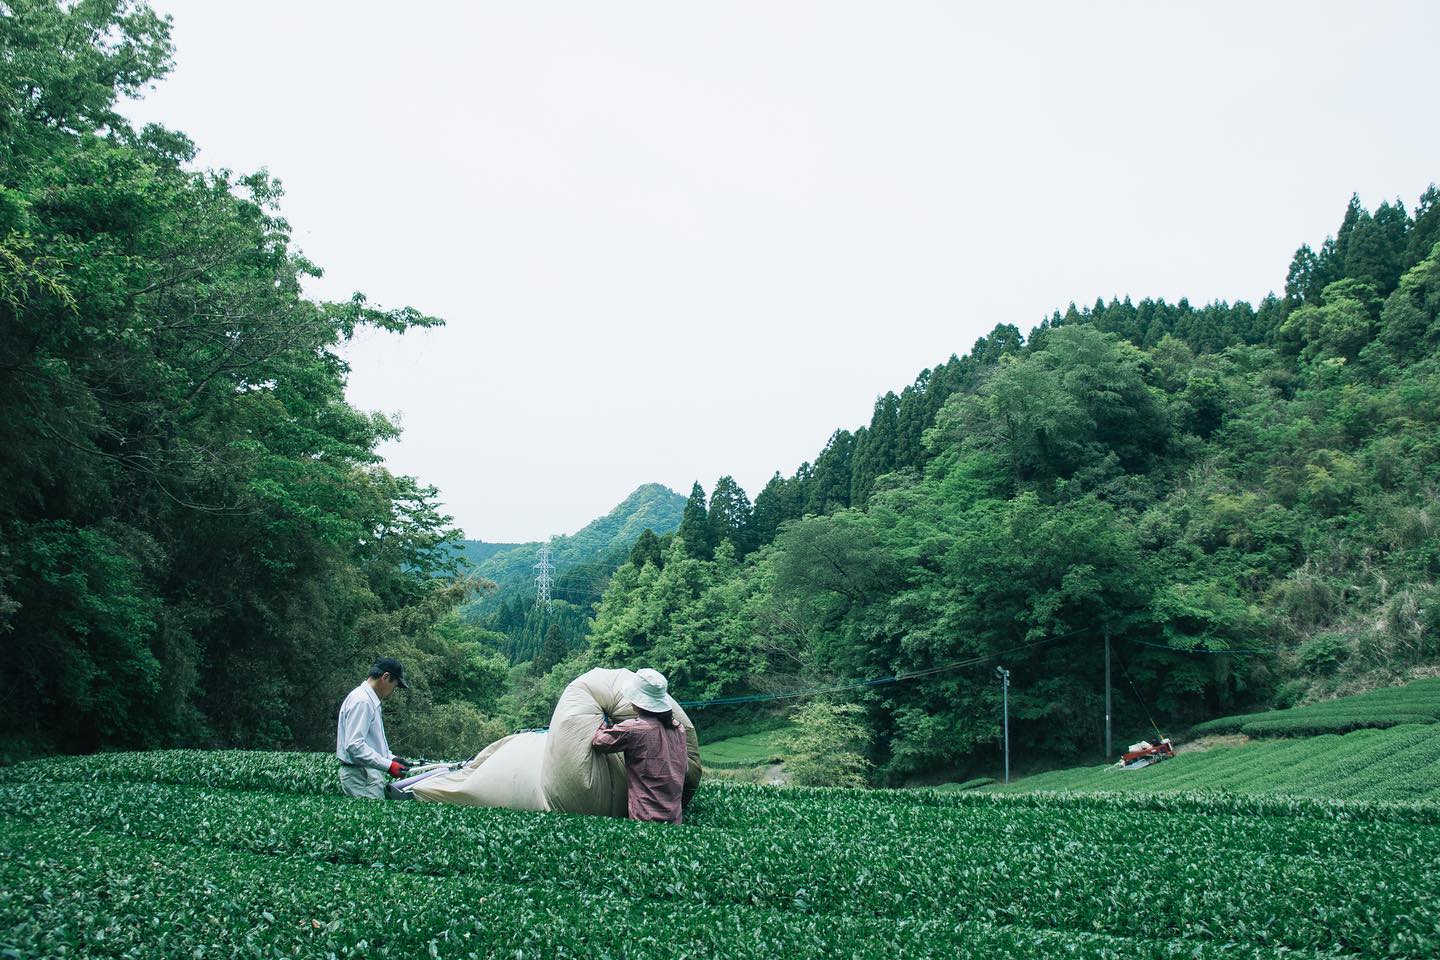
(200, 546)
(1244, 498)
(582, 565)
(476, 552)
(198, 541)
(158, 856)
(649, 507)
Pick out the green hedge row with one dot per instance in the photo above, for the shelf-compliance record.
(967, 784)
(1321, 721)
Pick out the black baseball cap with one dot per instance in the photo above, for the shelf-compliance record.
(391, 666)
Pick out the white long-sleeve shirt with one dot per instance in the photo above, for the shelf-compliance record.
(360, 733)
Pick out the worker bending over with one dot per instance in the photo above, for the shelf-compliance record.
(655, 751)
(360, 743)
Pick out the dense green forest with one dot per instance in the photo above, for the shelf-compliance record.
(1245, 498)
(198, 542)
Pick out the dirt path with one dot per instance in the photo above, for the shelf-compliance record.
(775, 774)
(1206, 743)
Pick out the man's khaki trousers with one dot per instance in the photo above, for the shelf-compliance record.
(362, 782)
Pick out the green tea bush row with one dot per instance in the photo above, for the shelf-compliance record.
(967, 784)
(1378, 708)
(1214, 820)
(139, 899)
(271, 771)
(736, 804)
(1357, 766)
(1302, 719)
(1311, 725)
(1235, 886)
(1354, 765)
(744, 752)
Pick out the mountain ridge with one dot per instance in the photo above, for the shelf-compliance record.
(650, 506)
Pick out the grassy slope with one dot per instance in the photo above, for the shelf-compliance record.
(748, 750)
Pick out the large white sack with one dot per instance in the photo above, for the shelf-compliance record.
(576, 779)
(558, 770)
(504, 774)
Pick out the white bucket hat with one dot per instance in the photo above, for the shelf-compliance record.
(648, 691)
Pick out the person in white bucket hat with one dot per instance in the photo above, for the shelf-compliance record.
(655, 752)
(650, 691)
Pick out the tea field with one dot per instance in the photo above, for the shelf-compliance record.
(186, 854)
(1414, 703)
(1399, 763)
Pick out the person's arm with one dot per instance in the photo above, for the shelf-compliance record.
(357, 724)
(610, 739)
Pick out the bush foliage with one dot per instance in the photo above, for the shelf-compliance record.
(132, 862)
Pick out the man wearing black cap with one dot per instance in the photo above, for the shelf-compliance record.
(360, 743)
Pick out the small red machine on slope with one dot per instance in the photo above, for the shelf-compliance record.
(1144, 753)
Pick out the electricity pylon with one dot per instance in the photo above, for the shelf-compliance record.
(543, 579)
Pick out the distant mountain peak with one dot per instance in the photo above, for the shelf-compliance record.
(651, 505)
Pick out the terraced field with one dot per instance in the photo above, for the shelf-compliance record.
(242, 854)
(1414, 703)
(1399, 763)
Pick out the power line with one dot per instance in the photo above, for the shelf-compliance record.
(877, 681)
(930, 671)
(1141, 699)
(1197, 650)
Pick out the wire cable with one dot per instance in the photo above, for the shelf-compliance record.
(877, 681)
(1211, 653)
(1126, 674)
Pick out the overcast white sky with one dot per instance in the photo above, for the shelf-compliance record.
(677, 240)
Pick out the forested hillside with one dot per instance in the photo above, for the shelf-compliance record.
(198, 542)
(582, 562)
(476, 552)
(1245, 497)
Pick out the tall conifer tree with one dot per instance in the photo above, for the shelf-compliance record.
(695, 525)
(1424, 230)
(729, 515)
(829, 488)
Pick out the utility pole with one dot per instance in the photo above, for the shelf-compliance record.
(542, 580)
(1004, 676)
(1108, 750)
